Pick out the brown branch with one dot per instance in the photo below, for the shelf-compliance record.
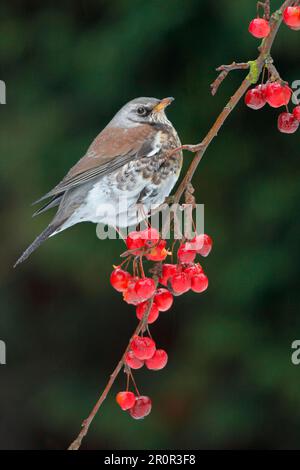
(224, 71)
(199, 150)
(75, 445)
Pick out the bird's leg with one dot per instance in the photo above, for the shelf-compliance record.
(191, 148)
(142, 213)
(119, 232)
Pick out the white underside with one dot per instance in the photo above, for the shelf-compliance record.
(108, 205)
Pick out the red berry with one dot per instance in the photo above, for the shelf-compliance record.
(291, 17)
(129, 295)
(184, 255)
(180, 283)
(199, 282)
(145, 288)
(163, 299)
(135, 241)
(277, 95)
(126, 400)
(158, 252)
(132, 361)
(168, 270)
(150, 235)
(153, 314)
(287, 123)
(202, 244)
(259, 28)
(296, 113)
(142, 347)
(119, 279)
(256, 98)
(158, 360)
(192, 270)
(141, 408)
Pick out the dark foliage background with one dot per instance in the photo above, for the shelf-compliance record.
(230, 383)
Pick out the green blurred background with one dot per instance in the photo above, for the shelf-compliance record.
(230, 383)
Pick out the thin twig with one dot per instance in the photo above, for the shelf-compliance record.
(224, 71)
(87, 422)
(266, 9)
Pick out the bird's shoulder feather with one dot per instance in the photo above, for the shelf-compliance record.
(110, 150)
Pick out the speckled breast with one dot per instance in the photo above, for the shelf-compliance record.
(154, 169)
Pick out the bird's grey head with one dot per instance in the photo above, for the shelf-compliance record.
(142, 111)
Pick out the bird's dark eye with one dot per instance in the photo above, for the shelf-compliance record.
(142, 111)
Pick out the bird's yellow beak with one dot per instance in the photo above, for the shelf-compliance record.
(163, 104)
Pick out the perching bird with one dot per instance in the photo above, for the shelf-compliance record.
(129, 163)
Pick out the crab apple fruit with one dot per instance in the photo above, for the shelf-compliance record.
(184, 255)
(141, 408)
(163, 299)
(130, 295)
(125, 400)
(291, 17)
(132, 361)
(158, 252)
(287, 123)
(119, 279)
(192, 270)
(207, 244)
(277, 95)
(145, 288)
(153, 314)
(168, 270)
(142, 347)
(296, 112)
(158, 360)
(259, 28)
(202, 244)
(180, 283)
(199, 283)
(134, 241)
(150, 235)
(256, 98)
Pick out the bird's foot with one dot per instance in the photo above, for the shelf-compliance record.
(169, 200)
(193, 148)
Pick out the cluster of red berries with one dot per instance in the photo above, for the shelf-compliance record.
(276, 94)
(143, 292)
(142, 350)
(138, 406)
(260, 27)
(178, 278)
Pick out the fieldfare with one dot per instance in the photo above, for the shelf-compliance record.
(130, 163)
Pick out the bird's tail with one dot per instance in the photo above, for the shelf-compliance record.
(36, 243)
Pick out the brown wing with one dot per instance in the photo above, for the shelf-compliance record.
(111, 149)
